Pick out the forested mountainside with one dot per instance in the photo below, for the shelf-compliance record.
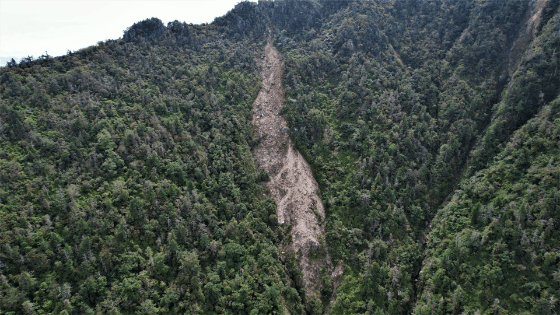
(128, 182)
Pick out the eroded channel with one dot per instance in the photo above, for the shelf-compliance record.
(292, 184)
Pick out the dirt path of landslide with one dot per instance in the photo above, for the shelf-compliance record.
(526, 34)
(292, 184)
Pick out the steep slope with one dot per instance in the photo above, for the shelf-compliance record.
(494, 246)
(134, 174)
(127, 183)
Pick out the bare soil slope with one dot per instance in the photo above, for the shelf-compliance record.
(292, 184)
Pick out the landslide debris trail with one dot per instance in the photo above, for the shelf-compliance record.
(292, 184)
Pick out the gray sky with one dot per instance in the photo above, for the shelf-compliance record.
(33, 27)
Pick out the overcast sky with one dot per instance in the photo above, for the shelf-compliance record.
(33, 27)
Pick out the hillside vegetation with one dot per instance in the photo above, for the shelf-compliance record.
(128, 182)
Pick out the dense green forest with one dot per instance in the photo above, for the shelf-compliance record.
(128, 184)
